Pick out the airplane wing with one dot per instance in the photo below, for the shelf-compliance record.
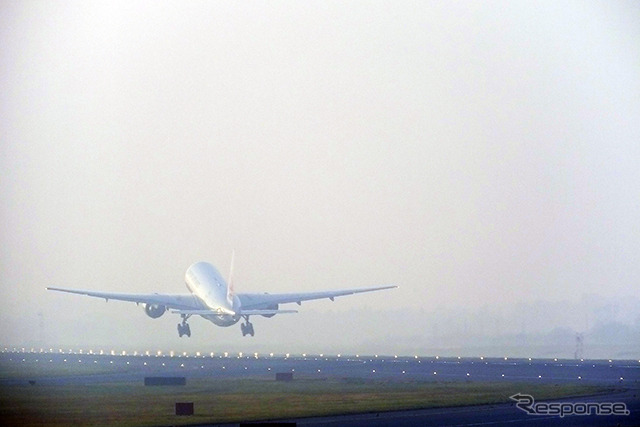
(266, 301)
(178, 302)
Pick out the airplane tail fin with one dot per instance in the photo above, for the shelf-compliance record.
(230, 291)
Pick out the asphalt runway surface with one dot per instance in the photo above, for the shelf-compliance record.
(481, 415)
(623, 375)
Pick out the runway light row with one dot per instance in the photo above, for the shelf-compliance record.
(255, 356)
(373, 371)
(199, 354)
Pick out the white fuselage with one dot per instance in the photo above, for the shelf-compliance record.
(206, 283)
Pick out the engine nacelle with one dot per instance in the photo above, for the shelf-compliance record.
(154, 310)
(271, 307)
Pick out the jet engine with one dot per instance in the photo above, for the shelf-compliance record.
(154, 310)
(271, 307)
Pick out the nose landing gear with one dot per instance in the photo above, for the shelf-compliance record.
(247, 328)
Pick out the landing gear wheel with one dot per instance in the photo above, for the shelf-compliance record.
(247, 328)
(183, 328)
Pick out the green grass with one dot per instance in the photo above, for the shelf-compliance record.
(228, 400)
(30, 369)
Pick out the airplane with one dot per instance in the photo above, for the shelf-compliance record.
(215, 300)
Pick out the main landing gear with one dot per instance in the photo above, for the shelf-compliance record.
(246, 328)
(183, 328)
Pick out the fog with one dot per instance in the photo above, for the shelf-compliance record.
(485, 157)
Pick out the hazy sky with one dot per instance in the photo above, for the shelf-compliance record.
(474, 153)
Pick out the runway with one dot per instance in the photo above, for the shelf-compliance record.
(433, 368)
(621, 375)
(481, 415)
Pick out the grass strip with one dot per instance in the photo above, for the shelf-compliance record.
(232, 400)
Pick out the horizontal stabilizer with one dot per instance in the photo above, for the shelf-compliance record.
(265, 312)
(231, 313)
(215, 312)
